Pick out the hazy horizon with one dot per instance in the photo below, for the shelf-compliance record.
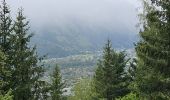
(94, 13)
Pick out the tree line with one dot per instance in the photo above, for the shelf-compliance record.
(145, 78)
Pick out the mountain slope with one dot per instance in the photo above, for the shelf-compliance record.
(75, 37)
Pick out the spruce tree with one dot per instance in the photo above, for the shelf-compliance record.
(5, 33)
(110, 77)
(153, 52)
(26, 73)
(5, 27)
(57, 85)
(22, 61)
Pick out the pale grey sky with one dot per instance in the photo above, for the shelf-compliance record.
(113, 13)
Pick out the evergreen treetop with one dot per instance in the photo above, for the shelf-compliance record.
(57, 84)
(110, 77)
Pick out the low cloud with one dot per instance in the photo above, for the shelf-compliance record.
(110, 14)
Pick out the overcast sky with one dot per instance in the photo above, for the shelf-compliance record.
(114, 13)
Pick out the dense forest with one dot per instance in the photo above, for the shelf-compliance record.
(116, 76)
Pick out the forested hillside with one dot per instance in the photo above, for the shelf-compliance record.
(76, 67)
(81, 39)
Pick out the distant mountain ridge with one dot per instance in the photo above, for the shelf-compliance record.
(74, 37)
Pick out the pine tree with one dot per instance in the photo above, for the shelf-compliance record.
(110, 77)
(5, 32)
(5, 27)
(26, 83)
(21, 60)
(57, 85)
(153, 52)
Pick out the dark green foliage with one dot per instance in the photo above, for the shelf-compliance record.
(19, 67)
(4, 74)
(22, 58)
(110, 78)
(5, 27)
(57, 85)
(5, 32)
(26, 71)
(153, 52)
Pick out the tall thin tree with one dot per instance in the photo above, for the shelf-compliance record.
(57, 85)
(27, 73)
(5, 33)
